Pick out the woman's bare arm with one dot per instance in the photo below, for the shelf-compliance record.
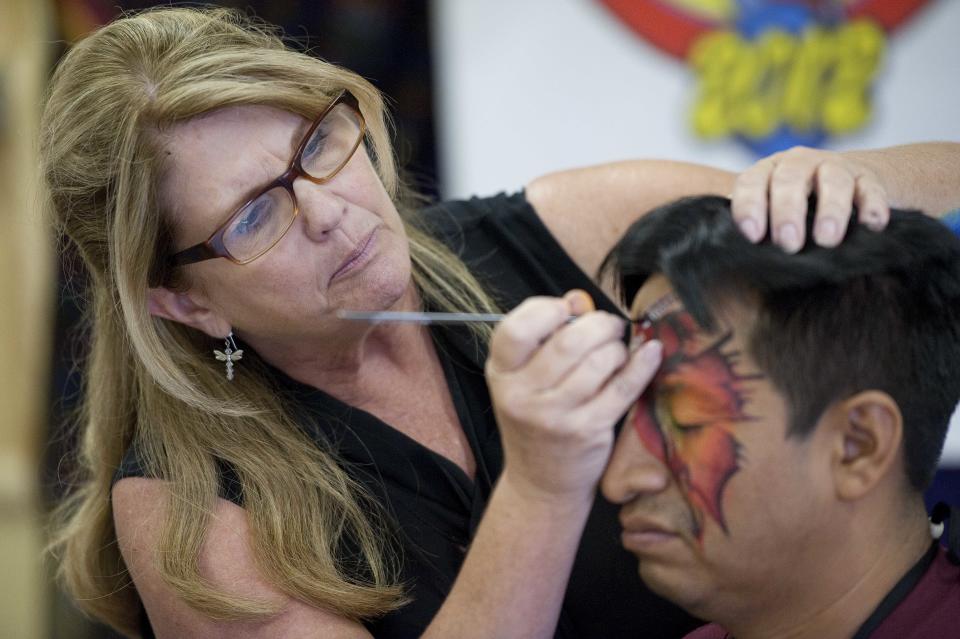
(226, 561)
(588, 209)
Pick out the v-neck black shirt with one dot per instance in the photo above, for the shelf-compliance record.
(436, 507)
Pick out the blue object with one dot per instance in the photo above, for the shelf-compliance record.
(782, 139)
(945, 487)
(754, 17)
(952, 220)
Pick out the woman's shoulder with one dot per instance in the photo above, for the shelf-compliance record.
(458, 216)
(133, 466)
(472, 226)
(508, 246)
(226, 560)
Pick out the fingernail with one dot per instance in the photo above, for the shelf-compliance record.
(749, 227)
(652, 350)
(579, 301)
(873, 220)
(827, 231)
(789, 237)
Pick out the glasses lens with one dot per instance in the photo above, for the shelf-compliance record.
(259, 225)
(332, 142)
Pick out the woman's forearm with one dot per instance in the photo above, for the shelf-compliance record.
(515, 574)
(923, 176)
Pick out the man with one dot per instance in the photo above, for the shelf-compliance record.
(771, 474)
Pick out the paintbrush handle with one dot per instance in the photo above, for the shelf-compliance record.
(419, 317)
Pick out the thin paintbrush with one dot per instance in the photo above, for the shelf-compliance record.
(415, 317)
(420, 317)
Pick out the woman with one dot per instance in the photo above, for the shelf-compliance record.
(256, 466)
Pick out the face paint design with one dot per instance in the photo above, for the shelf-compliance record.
(687, 415)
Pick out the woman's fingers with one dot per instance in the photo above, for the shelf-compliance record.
(558, 388)
(773, 193)
(521, 333)
(790, 186)
(749, 199)
(575, 345)
(871, 201)
(579, 302)
(538, 346)
(835, 186)
(588, 375)
(622, 389)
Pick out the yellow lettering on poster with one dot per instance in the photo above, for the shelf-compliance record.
(818, 80)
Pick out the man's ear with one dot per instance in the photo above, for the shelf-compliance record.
(865, 433)
(188, 309)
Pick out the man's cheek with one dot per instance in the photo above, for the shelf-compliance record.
(651, 436)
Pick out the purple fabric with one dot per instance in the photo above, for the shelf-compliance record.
(931, 610)
(710, 631)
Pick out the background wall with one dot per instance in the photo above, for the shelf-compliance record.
(528, 87)
(26, 290)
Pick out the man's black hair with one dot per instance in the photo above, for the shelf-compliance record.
(881, 311)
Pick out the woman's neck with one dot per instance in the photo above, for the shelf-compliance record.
(344, 358)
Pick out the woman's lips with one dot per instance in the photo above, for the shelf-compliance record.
(357, 257)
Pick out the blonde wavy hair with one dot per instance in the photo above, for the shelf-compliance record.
(151, 383)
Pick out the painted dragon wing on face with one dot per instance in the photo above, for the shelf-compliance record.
(704, 454)
(688, 421)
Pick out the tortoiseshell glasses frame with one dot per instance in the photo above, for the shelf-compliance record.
(215, 246)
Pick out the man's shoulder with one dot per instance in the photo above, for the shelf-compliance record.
(931, 608)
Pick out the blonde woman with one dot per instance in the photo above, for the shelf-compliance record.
(254, 466)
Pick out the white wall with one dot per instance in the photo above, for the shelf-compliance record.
(530, 86)
(521, 84)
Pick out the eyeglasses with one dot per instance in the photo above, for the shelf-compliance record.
(257, 226)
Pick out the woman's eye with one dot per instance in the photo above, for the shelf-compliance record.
(254, 218)
(314, 144)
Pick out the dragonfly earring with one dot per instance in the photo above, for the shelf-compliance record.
(229, 354)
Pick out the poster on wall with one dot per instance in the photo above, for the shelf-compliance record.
(773, 74)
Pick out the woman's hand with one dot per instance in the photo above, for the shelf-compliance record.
(778, 187)
(558, 388)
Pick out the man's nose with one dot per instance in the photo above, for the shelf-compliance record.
(633, 470)
(321, 208)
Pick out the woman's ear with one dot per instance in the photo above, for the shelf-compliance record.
(866, 431)
(188, 309)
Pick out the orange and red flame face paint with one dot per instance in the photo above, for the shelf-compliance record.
(688, 414)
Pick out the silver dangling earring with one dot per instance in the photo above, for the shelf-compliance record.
(230, 354)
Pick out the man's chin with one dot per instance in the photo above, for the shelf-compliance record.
(678, 584)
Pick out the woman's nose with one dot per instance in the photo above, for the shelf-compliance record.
(632, 471)
(322, 210)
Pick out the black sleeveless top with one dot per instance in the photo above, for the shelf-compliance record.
(435, 505)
